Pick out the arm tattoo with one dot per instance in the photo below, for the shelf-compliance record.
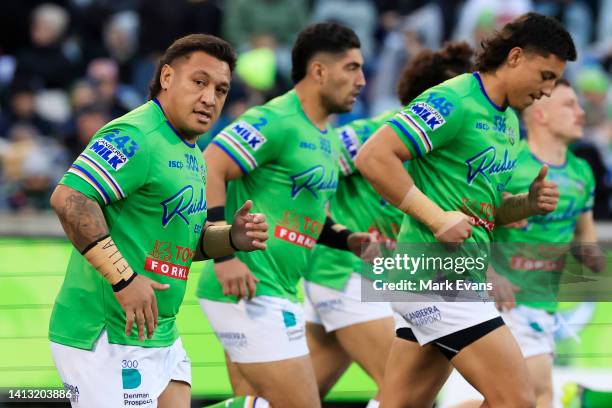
(82, 219)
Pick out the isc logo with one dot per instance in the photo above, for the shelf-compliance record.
(249, 134)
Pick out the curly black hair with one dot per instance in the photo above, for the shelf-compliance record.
(532, 32)
(430, 68)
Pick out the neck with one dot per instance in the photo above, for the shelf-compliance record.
(310, 100)
(185, 135)
(495, 88)
(546, 147)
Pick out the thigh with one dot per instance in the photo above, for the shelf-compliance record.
(368, 344)
(329, 360)
(540, 374)
(240, 386)
(496, 352)
(286, 383)
(414, 375)
(176, 395)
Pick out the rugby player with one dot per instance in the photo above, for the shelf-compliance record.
(340, 327)
(462, 138)
(285, 156)
(534, 269)
(134, 206)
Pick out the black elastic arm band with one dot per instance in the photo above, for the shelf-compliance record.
(334, 238)
(123, 283)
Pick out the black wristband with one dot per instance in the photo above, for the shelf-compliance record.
(123, 283)
(93, 244)
(215, 214)
(332, 238)
(224, 258)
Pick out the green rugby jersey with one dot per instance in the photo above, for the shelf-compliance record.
(357, 206)
(522, 255)
(290, 171)
(464, 148)
(150, 184)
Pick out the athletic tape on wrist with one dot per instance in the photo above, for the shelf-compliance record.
(105, 257)
(419, 206)
(216, 241)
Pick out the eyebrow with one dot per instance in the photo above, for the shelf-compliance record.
(201, 71)
(549, 75)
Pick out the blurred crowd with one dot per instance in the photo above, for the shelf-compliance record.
(68, 67)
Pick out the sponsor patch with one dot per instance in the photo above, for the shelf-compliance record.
(249, 134)
(166, 268)
(109, 153)
(432, 118)
(294, 237)
(350, 141)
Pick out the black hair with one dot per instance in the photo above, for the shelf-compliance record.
(184, 46)
(431, 68)
(321, 37)
(532, 32)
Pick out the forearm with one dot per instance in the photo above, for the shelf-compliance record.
(80, 216)
(513, 208)
(85, 226)
(334, 235)
(215, 242)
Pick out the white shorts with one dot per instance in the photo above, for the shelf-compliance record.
(430, 319)
(533, 329)
(337, 309)
(260, 330)
(115, 375)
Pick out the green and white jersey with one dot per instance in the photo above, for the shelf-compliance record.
(465, 150)
(150, 184)
(357, 206)
(533, 257)
(290, 171)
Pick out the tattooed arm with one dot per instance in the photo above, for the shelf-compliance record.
(84, 223)
(81, 217)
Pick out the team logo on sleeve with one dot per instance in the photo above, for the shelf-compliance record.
(249, 134)
(432, 118)
(109, 153)
(350, 141)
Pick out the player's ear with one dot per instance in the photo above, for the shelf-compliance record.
(317, 70)
(515, 57)
(165, 77)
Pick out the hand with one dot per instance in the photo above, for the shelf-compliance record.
(591, 256)
(138, 300)
(503, 290)
(455, 228)
(236, 279)
(363, 245)
(249, 231)
(543, 195)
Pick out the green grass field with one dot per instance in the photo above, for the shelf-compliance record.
(31, 272)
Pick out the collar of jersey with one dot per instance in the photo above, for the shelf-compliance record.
(295, 96)
(192, 145)
(552, 166)
(484, 92)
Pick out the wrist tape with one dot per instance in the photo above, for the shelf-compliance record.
(105, 257)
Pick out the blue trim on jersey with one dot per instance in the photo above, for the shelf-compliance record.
(172, 127)
(89, 176)
(484, 92)
(110, 178)
(231, 155)
(408, 135)
(552, 166)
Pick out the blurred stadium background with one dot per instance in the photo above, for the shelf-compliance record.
(67, 67)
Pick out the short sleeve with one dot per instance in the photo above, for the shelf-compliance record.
(113, 165)
(252, 140)
(352, 137)
(589, 188)
(429, 122)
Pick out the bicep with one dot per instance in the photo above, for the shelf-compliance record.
(220, 163)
